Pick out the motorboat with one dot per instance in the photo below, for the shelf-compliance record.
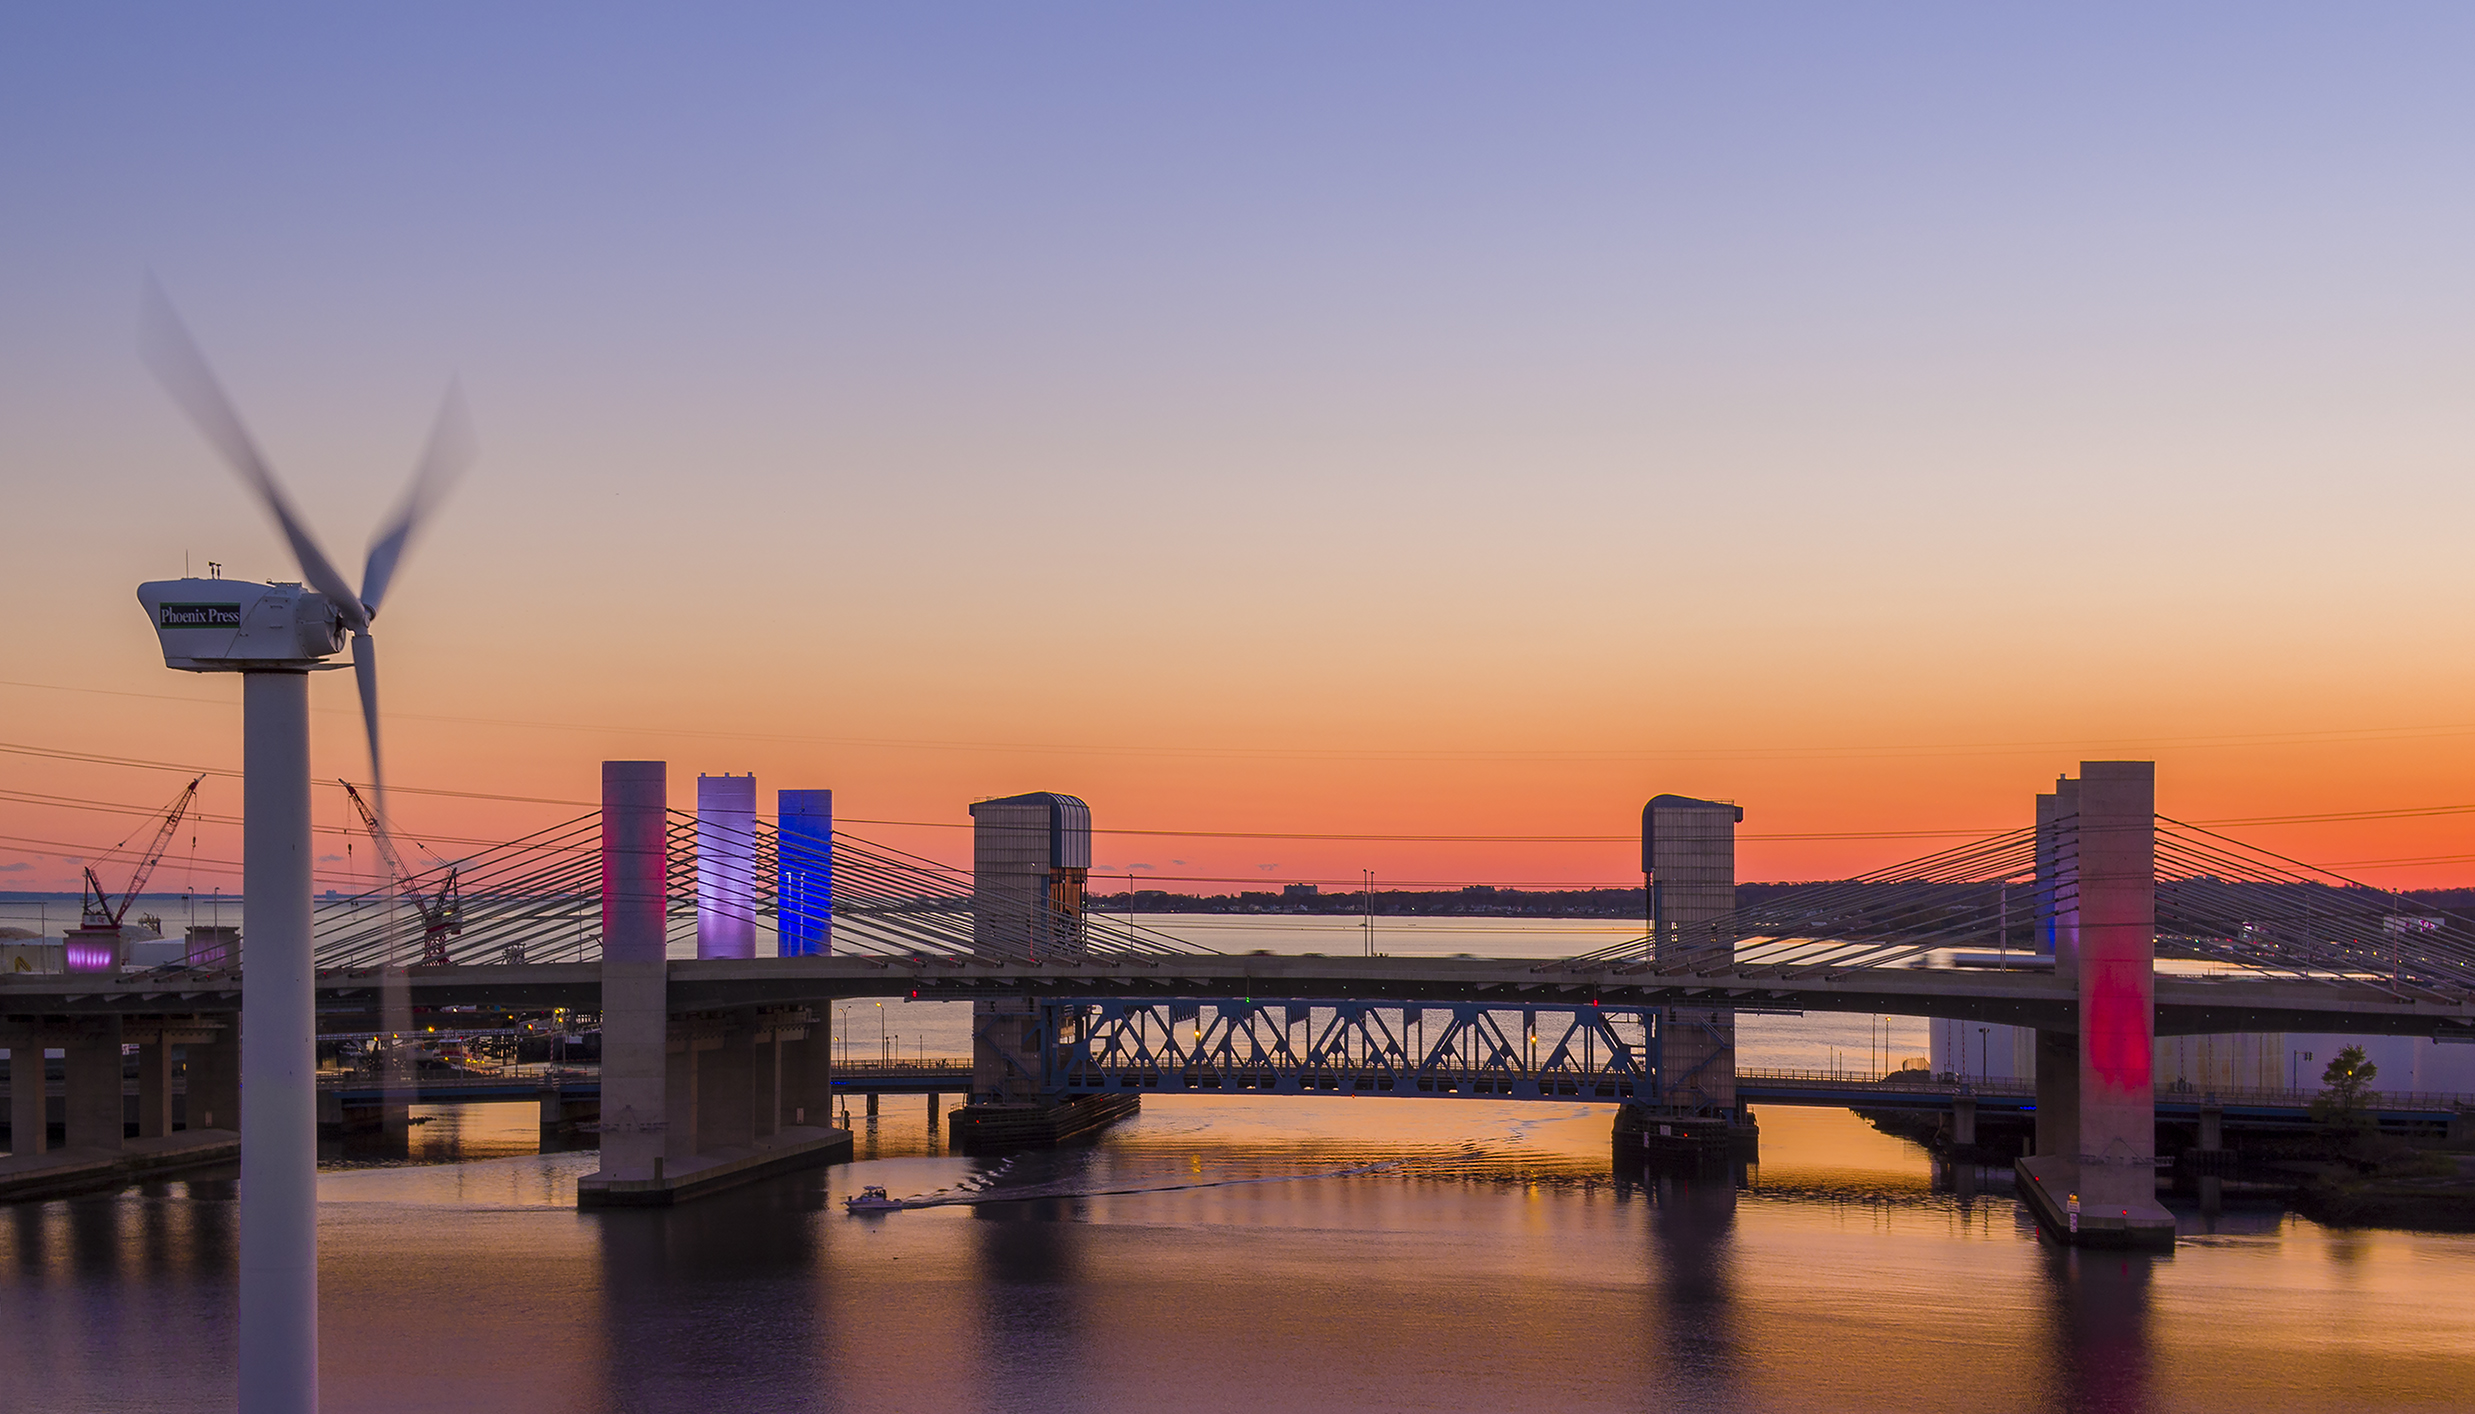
(872, 1199)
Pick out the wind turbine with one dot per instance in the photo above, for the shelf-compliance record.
(274, 635)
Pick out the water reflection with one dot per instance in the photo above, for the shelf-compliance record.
(1227, 1254)
(1029, 1320)
(1692, 1224)
(711, 1295)
(2097, 1305)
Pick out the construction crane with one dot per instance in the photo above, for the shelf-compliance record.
(99, 910)
(442, 913)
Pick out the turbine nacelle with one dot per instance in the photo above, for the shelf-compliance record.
(238, 626)
(212, 625)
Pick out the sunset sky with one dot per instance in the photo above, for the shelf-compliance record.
(1400, 420)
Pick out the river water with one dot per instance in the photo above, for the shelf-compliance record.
(1246, 1253)
(1242, 1254)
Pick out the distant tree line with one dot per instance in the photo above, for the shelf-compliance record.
(1486, 900)
(1475, 900)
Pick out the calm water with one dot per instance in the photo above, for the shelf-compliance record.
(1242, 1254)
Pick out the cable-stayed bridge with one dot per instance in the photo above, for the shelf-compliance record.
(2100, 927)
(2246, 939)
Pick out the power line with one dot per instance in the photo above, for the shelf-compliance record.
(1792, 753)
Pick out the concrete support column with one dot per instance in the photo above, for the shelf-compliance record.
(726, 1089)
(635, 1123)
(215, 1080)
(29, 1120)
(808, 1073)
(154, 1087)
(1964, 1121)
(2117, 968)
(2058, 1093)
(681, 1091)
(932, 1114)
(2212, 1125)
(1005, 1052)
(94, 1103)
(768, 1109)
(872, 1104)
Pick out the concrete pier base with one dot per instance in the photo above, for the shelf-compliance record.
(63, 1172)
(795, 1147)
(1670, 1136)
(2048, 1185)
(338, 1119)
(1000, 1128)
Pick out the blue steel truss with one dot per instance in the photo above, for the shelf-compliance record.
(1351, 1048)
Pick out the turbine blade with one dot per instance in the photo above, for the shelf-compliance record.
(365, 675)
(168, 349)
(449, 452)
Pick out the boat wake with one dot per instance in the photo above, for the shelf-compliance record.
(974, 1197)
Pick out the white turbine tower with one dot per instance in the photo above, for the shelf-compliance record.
(274, 636)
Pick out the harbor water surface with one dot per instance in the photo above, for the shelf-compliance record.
(1242, 1254)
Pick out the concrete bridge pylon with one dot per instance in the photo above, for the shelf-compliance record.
(692, 1101)
(2093, 1178)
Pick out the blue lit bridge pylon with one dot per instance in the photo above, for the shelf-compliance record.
(1466, 1051)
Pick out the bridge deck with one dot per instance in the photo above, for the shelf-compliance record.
(2185, 1005)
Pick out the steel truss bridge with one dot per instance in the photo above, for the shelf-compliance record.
(1353, 1048)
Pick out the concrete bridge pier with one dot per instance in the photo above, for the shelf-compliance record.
(29, 1113)
(391, 1120)
(95, 1110)
(91, 1046)
(154, 1086)
(213, 1063)
(803, 1057)
(683, 1112)
(1031, 856)
(1688, 860)
(2093, 1179)
(2058, 1092)
(562, 1113)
